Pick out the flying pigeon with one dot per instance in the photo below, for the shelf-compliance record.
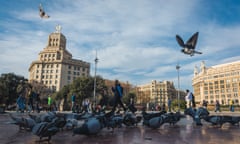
(42, 13)
(189, 47)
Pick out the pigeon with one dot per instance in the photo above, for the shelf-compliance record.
(197, 114)
(173, 118)
(91, 126)
(45, 129)
(147, 116)
(22, 122)
(189, 47)
(45, 117)
(131, 119)
(42, 13)
(155, 122)
(220, 120)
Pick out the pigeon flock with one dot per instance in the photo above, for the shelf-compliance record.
(46, 125)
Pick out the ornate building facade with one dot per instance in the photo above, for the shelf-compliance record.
(156, 92)
(220, 82)
(55, 66)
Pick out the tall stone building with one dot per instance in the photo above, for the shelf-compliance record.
(219, 82)
(55, 66)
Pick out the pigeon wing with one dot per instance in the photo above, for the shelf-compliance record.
(180, 41)
(191, 43)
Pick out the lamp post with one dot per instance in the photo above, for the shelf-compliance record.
(178, 67)
(94, 89)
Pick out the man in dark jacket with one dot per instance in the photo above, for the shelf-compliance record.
(118, 94)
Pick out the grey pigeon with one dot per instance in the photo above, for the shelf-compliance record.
(92, 126)
(45, 129)
(22, 122)
(173, 118)
(197, 114)
(220, 120)
(189, 47)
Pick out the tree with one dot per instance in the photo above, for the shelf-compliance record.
(11, 86)
(175, 104)
(83, 88)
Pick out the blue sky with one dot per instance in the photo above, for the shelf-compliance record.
(134, 39)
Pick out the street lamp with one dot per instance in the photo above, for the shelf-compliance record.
(178, 67)
(94, 90)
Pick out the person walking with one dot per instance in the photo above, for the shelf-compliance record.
(231, 107)
(73, 103)
(169, 105)
(118, 94)
(217, 106)
(188, 99)
(49, 102)
(20, 104)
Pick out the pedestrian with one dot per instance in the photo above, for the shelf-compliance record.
(49, 102)
(73, 103)
(188, 99)
(231, 107)
(217, 106)
(20, 104)
(205, 104)
(193, 101)
(85, 105)
(61, 104)
(118, 94)
(169, 105)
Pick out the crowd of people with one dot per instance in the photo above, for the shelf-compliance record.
(32, 103)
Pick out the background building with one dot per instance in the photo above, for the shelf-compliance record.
(156, 93)
(220, 82)
(55, 66)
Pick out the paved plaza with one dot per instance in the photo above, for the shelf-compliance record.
(184, 132)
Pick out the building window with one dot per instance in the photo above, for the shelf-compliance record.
(69, 77)
(69, 72)
(69, 67)
(56, 81)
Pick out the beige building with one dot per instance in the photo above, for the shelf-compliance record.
(156, 92)
(55, 66)
(220, 82)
